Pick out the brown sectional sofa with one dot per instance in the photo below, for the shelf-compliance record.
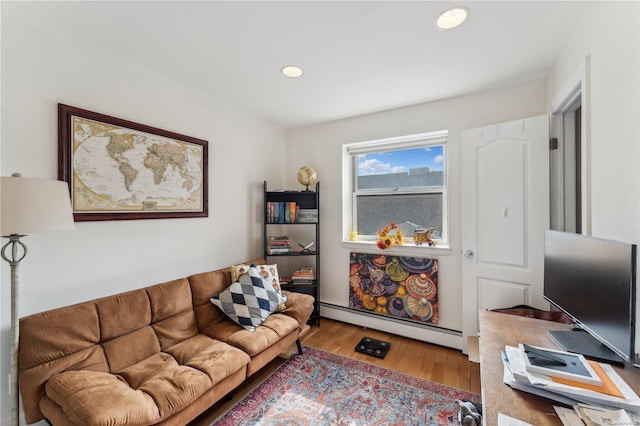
(158, 355)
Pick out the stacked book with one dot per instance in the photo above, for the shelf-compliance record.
(302, 276)
(279, 245)
(567, 378)
(285, 280)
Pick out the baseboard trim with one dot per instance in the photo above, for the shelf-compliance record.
(425, 333)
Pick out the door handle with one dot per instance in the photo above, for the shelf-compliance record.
(468, 254)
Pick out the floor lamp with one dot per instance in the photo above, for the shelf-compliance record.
(27, 206)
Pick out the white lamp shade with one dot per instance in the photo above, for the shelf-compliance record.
(30, 205)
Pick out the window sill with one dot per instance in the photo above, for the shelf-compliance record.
(410, 249)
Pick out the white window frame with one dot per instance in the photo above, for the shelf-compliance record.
(349, 176)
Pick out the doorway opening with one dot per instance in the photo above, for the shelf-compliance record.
(567, 161)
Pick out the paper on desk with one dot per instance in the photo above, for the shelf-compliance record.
(568, 417)
(510, 380)
(520, 374)
(589, 415)
(596, 416)
(504, 420)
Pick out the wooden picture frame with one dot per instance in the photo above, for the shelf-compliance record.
(121, 170)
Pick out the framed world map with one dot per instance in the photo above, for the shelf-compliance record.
(118, 169)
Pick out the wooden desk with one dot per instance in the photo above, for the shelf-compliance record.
(498, 330)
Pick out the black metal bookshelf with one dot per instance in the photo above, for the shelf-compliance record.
(308, 202)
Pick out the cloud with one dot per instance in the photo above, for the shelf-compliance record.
(376, 167)
(399, 169)
(437, 159)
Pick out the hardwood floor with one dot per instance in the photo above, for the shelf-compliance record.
(431, 362)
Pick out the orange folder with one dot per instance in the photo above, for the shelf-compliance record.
(608, 387)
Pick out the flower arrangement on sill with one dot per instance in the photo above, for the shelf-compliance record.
(389, 236)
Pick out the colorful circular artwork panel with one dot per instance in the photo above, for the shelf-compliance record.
(397, 286)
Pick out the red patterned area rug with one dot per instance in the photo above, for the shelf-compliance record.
(320, 388)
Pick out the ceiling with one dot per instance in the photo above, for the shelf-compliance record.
(358, 56)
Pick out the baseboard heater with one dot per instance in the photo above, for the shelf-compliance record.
(392, 319)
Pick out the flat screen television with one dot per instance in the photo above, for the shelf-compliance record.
(593, 281)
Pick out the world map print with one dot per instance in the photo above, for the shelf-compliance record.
(117, 169)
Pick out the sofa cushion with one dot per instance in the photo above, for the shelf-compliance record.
(206, 284)
(150, 390)
(169, 299)
(131, 348)
(34, 380)
(213, 357)
(249, 301)
(54, 341)
(176, 329)
(174, 388)
(141, 372)
(123, 313)
(269, 333)
(95, 398)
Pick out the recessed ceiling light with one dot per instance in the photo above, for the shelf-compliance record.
(292, 71)
(452, 18)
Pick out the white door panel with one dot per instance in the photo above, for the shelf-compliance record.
(505, 200)
(501, 202)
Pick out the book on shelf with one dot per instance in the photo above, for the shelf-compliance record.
(614, 392)
(279, 250)
(308, 216)
(281, 211)
(302, 276)
(276, 244)
(285, 280)
(303, 272)
(286, 243)
(279, 245)
(287, 212)
(273, 211)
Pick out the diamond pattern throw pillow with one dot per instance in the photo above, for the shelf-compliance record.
(250, 300)
(268, 272)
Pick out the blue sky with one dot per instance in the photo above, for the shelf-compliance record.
(400, 161)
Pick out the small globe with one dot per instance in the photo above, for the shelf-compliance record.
(307, 176)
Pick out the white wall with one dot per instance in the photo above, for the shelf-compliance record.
(41, 68)
(320, 147)
(609, 38)
(605, 53)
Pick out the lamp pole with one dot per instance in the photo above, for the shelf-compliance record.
(14, 262)
(27, 205)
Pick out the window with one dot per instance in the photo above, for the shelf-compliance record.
(401, 180)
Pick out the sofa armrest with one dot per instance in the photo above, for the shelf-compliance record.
(299, 306)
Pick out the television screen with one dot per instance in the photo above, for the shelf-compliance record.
(593, 281)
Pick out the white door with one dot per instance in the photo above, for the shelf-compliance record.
(505, 210)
